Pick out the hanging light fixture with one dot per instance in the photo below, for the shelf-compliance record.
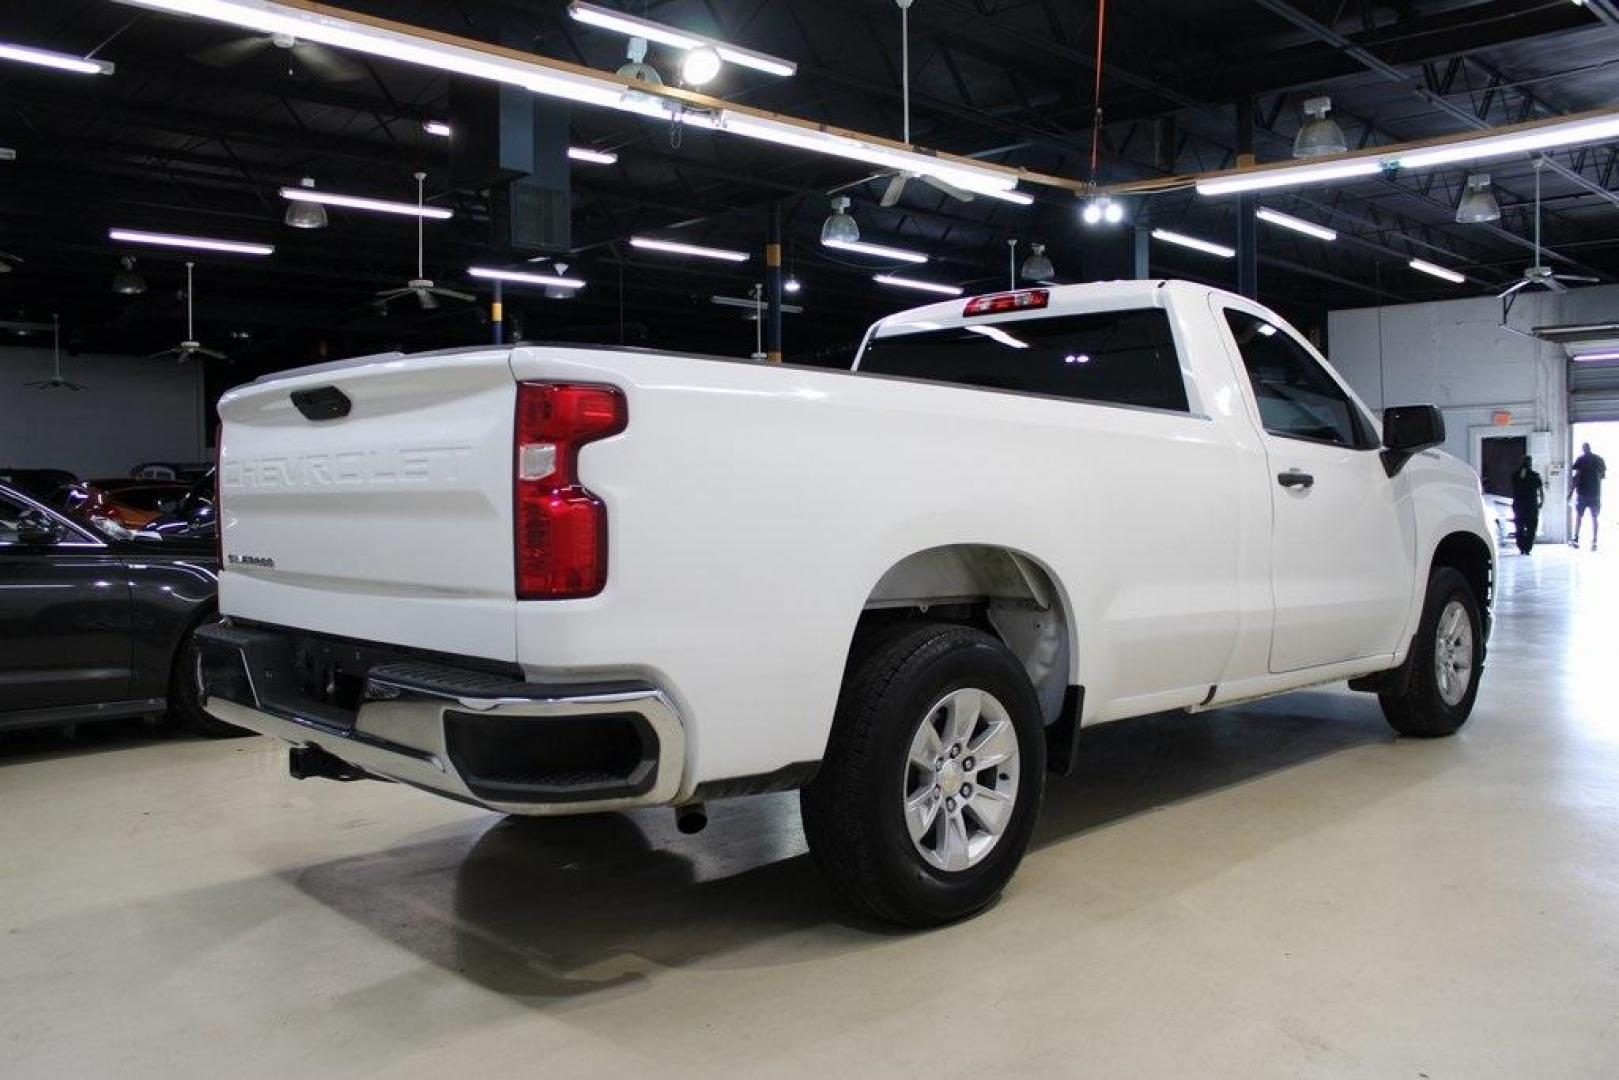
(302, 214)
(127, 282)
(1320, 134)
(700, 66)
(1102, 209)
(1478, 204)
(840, 227)
(636, 67)
(1037, 267)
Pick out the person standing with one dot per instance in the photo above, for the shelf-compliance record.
(1585, 488)
(1528, 492)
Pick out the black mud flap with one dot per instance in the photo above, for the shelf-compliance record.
(1062, 735)
(1393, 682)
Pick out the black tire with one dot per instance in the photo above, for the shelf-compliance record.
(185, 694)
(853, 810)
(1422, 710)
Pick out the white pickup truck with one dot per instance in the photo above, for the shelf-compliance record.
(561, 579)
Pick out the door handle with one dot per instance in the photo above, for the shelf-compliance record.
(1293, 478)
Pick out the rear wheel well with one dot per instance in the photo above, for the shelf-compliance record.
(995, 589)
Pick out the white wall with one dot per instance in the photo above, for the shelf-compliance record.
(133, 409)
(1456, 355)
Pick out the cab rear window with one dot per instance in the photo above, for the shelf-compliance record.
(1113, 358)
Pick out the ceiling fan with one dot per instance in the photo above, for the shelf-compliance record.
(897, 178)
(1541, 274)
(421, 286)
(56, 382)
(320, 60)
(8, 260)
(190, 347)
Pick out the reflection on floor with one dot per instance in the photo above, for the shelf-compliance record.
(1279, 890)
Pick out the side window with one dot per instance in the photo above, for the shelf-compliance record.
(10, 512)
(1297, 398)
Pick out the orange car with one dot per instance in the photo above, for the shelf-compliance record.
(130, 503)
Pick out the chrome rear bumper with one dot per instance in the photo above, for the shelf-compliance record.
(516, 747)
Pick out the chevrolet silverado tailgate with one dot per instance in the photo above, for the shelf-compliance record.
(372, 499)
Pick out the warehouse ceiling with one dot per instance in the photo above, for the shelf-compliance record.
(174, 142)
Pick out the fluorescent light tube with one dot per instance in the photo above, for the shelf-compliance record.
(995, 333)
(438, 128)
(521, 278)
(916, 283)
(674, 248)
(7, 154)
(1194, 243)
(200, 243)
(1299, 225)
(56, 61)
(1288, 176)
(633, 26)
(770, 65)
(880, 250)
(1595, 356)
(978, 181)
(1591, 129)
(1438, 271)
(593, 157)
(359, 202)
(1009, 196)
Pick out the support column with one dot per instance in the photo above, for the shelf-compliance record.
(773, 286)
(1247, 207)
(497, 314)
(1140, 252)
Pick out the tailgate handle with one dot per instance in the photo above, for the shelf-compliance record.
(322, 403)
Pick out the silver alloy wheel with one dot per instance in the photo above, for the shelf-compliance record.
(1453, 653)
(961, 779)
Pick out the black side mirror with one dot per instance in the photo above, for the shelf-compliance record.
(35, 529)
(1408, 430)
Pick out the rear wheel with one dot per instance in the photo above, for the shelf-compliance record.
(185, 693)
(923, 807)
(1447, 657)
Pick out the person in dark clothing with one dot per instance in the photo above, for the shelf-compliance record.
(1585, 488)
(1528, 492)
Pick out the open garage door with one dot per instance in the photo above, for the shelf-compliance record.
(1593, 388)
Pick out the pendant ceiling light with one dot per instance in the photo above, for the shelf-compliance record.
(839, 227)
(1037, 267)
(1478, 204)
(306, 215)
(636, 67)
(1103, 209)
(700, 66)
(127, 282)
(1320, 134)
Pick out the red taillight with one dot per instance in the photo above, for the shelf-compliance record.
(994, 304)
(561, 528)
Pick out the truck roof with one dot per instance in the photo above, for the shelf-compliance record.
(1064, 299)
